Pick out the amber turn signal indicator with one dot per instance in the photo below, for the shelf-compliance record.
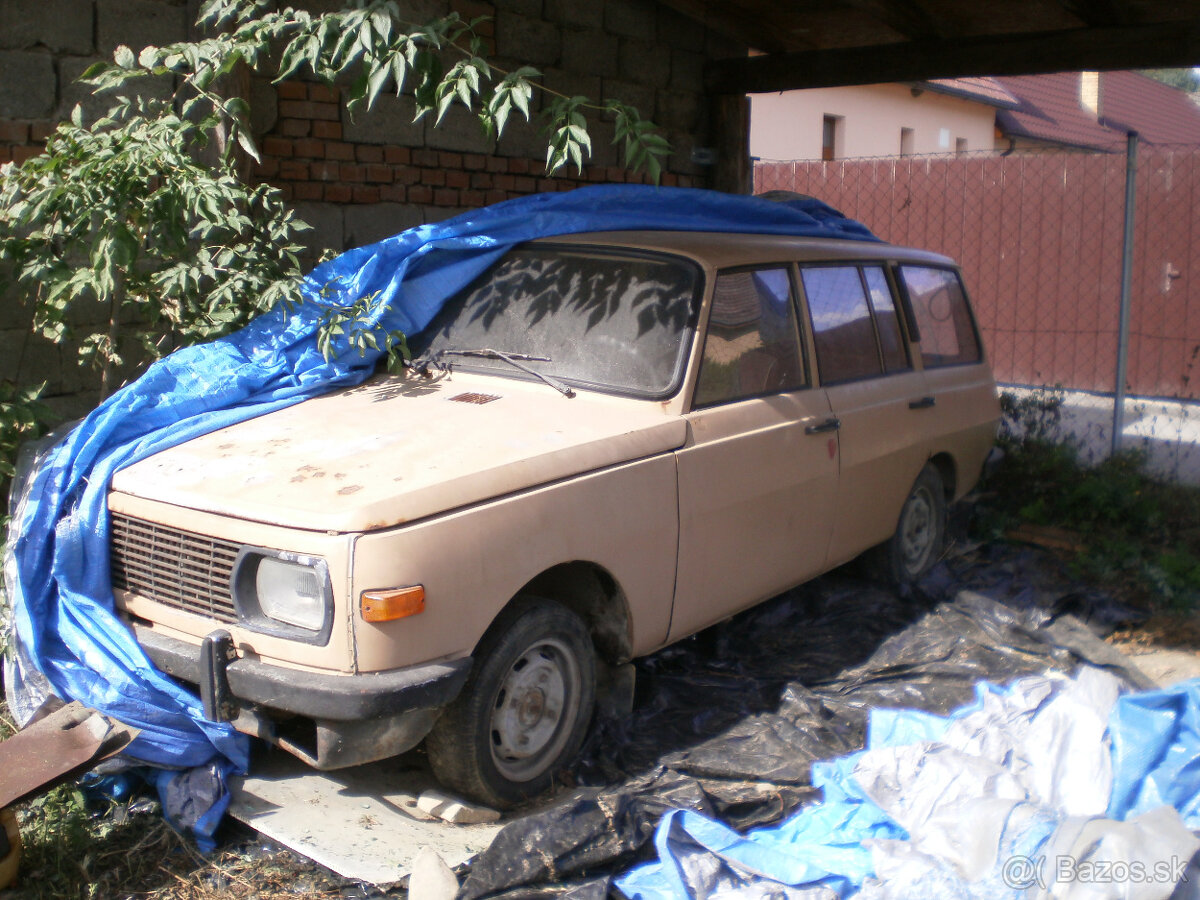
(384, 606)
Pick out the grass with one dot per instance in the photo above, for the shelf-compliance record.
(1125, 530)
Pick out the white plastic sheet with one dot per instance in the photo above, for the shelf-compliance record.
(1010, 796)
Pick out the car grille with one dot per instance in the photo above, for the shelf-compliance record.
(177, 568)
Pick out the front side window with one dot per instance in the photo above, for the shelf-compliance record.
(943, 318)
(751, 347)
(842, 326)
(607, 320)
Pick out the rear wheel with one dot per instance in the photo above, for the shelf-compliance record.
(920, 532)
(524, 710)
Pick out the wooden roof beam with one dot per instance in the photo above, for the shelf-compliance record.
(905, 17)
(1164, 44)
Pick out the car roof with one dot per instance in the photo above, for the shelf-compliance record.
(723, 249)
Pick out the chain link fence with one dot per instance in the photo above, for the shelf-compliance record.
(1040, 237)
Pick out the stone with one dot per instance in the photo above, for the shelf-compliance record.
(533, 41)
(61, 26)
(687, 71)
(138, 24)
(366, 224)
(457, 812)
(264, 105)
(12, 343)
(643, 62)
(678, 111)
(573, 84)
(389, 121)
(522, 7)
(461, 132)
(523, 139)
(593, 52)
(27, 85)
(631, 18)
(431, 878)
(96, 105)
(637, 95)
(328, 226)
(572, 12)
(677, 30)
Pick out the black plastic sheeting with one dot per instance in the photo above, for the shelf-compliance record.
(729, 722)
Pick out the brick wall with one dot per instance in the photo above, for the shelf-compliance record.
(358, 179)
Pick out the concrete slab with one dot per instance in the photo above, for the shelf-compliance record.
(362, 823)
(1167, 667)
(1166, 431)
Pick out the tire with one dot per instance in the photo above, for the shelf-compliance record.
(920, 532)
(524, 710)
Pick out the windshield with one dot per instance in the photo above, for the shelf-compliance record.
(615, 321)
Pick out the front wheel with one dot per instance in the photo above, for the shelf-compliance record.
(524, 710)
(920, 532)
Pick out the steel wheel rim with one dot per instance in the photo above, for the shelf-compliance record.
(918, 527)
(533, 710)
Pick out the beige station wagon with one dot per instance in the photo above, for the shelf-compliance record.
(608, 442)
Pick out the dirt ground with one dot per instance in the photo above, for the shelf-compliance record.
(110, 853)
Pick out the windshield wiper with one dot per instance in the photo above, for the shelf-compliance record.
(514, 360)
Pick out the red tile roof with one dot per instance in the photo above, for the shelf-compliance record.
(981, 90)
(1050, 110)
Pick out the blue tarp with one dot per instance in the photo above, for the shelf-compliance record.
(59, 582)
(986, 802)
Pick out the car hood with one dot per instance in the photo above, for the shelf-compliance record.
(396, 449)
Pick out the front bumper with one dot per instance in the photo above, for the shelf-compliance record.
(335, 698)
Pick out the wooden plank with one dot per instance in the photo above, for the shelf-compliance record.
(1161, 44)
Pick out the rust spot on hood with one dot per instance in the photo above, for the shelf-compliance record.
(350, 489)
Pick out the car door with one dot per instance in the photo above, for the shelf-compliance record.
(758, 475)
(960, 408)
(876, 395)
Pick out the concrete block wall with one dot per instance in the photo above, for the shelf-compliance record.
(360, 178)
(44, 46)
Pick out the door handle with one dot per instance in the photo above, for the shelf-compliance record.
(923, 403)
(828, 425)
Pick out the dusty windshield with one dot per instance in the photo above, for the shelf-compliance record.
(615, 321)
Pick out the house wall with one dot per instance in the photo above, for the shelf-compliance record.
(788, 125)
(358, 179)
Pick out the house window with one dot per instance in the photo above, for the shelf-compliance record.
(960, 145)
(906, 142)
(831, 137)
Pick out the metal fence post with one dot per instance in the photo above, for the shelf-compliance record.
(1118, 425)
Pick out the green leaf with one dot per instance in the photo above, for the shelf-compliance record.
(246, 142)
(376, 82)
(124, 57)
(237, 107)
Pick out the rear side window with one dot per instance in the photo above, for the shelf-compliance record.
(939, 306)
(842, 327)
(751, 347)
(887, 321)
